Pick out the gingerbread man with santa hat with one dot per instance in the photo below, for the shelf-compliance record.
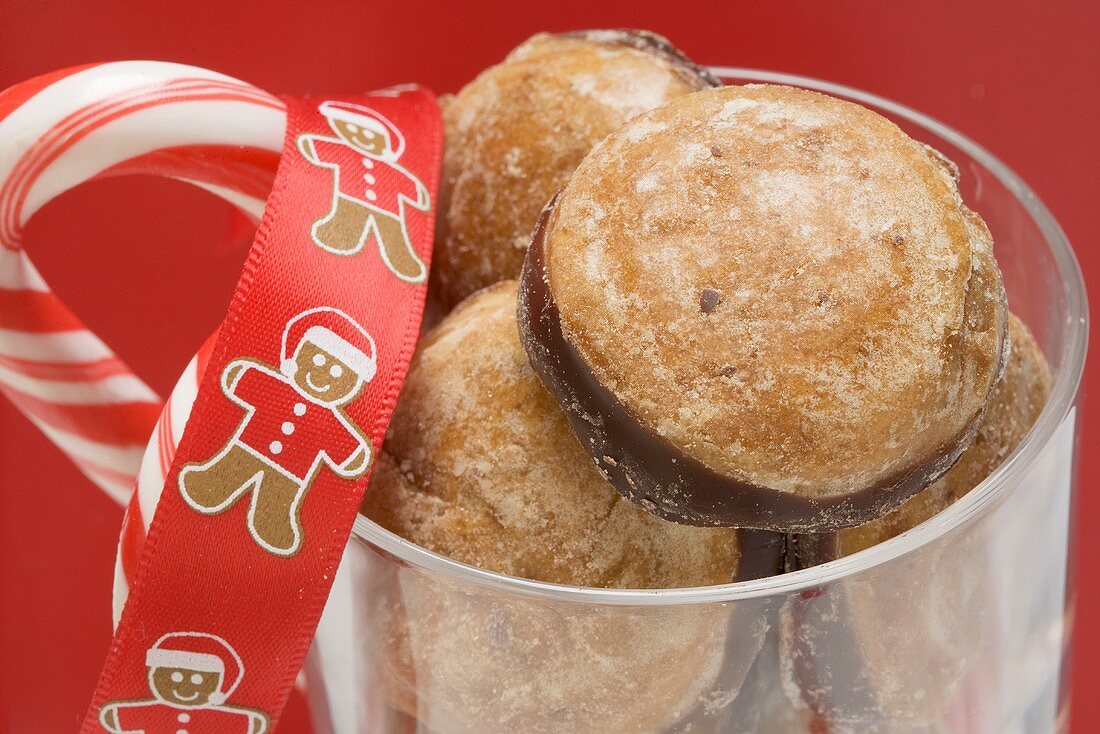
(191, 674)
(294, 425)
(371, 190)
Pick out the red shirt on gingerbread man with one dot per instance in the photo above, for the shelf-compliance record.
(372, 180)
(291, 430)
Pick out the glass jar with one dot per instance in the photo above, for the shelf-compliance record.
(961, 624)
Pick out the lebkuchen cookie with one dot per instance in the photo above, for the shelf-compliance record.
(515, 134)
(765, 307)
(852, 652)
(480, 466)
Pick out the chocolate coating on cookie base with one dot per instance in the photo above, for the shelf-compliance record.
(656, 474)
(652, 43)
(761, 554)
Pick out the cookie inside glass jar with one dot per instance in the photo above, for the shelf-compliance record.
(480, 466)
(764, 307)
(516, 132)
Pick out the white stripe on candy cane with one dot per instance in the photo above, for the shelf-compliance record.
(182, 400)
(117, 488)
(161, 449)
(106, 466)
(74, 371)
(63, 346)
(150, 477)
(152, 474)
(109, 390)
(108, 456)
(119, 591)
(18, 273)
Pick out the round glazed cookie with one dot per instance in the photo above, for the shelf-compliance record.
(765, 307)
(515, 134)
(852, 651)
(481, 466)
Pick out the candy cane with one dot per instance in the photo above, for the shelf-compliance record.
(59, 130)
(157, 458)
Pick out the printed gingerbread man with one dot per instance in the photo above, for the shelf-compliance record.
(191, 674)
(293, 425)
(370, 189)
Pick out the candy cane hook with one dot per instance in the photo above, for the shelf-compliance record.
(59, 130)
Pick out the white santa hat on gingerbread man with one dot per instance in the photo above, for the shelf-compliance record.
(336, 333)
(202, 653)
(366, 119)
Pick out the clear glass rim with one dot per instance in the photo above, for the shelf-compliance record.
(1063, 395)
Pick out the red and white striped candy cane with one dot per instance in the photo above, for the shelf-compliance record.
(153, 473)
(59, 130)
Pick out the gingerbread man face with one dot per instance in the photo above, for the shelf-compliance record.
(183, 687)
(369, 141)
(324, 377)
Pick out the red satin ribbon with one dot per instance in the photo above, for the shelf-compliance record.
(302, 381)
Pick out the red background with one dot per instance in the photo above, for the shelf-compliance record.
(1019, 77)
